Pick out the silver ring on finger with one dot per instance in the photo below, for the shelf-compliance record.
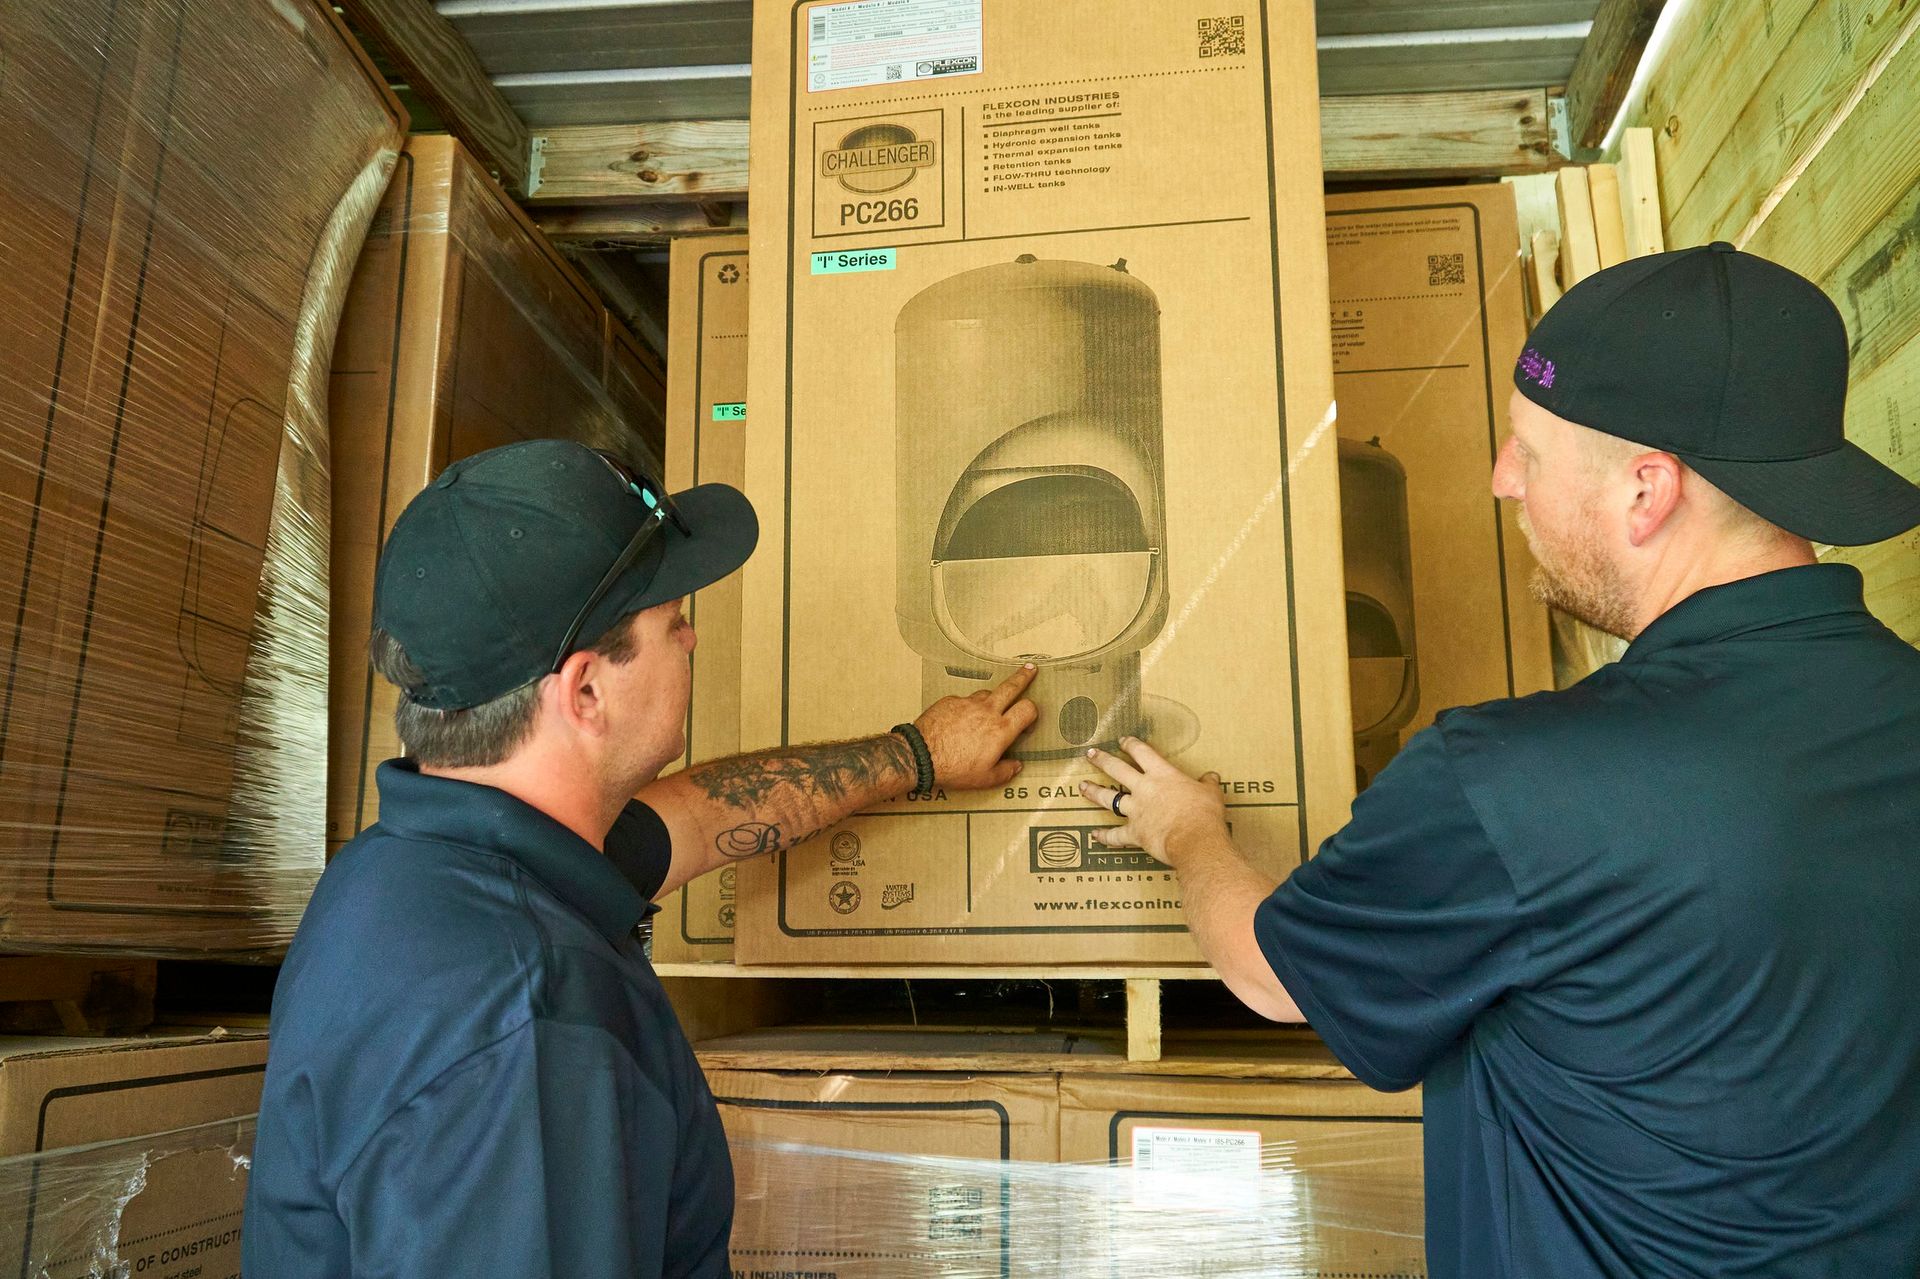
(1115, 806)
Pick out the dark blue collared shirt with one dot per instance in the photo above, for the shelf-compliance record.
(1652, 944)
(474, 1070)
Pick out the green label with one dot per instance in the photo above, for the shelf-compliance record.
(846, 261)
(730, 412)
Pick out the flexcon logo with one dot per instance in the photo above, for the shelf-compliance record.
(878, 157)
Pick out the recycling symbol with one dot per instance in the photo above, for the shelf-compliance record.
(844, 897)
(729, 274)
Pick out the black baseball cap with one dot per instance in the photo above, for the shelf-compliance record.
(489, 565)
(1735, 365)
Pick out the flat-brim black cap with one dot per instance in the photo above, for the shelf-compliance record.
(487, 567)
(1733, 364)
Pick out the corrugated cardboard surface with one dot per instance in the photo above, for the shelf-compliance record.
(161, 243)
(62, 1093)
(1428, 315)
(850, 1217)
(463, 331)
(706, 443)
(997, 418)
(1351, 1156)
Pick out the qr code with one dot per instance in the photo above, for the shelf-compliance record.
(1446, 268)
(1223, 37)
(893, 71)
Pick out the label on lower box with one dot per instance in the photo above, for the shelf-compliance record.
(1196, 1169)
(891, 41)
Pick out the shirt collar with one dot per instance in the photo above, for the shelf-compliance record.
(1752, 604)
(486, 818)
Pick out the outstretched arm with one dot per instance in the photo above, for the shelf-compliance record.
(1182, 821)
(728, 810)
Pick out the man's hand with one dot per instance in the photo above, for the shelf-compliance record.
(1164, 809)
(1183, 821)
(969, 736)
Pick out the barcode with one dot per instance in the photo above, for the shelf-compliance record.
(1223, 37)
(819, 26)
(1446, 268)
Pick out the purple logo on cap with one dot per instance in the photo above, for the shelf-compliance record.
(1536, 368)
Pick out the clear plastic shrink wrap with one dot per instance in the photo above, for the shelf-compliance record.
(145, 1206)
(1309, 1206)
(852, 1175)
(188, 187)
(463, 330)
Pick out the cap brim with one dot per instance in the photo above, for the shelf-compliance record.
(723, 532)
(1842, 498)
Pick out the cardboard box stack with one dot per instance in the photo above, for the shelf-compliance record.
(1060, 1170)
(831, 1168)
(463, 330)
(705, 444)
(173, 272)
(991, 391)
(1428, 314)
(169, 1204)
(1427, 311)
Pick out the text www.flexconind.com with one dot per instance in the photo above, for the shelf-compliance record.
(1101, 903)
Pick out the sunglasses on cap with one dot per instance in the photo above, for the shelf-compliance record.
(660, 507)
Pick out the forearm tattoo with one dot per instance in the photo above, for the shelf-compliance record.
(789, 795)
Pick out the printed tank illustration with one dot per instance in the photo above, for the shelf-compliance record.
(1032, 494)
(1382, 657)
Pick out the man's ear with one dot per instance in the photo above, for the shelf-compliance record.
(573, 693)
(1656, 480)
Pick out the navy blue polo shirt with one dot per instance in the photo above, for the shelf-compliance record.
(1652, 945)
(473, 1069)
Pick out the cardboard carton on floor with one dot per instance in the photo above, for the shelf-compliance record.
(1428, 316)
(463, 331)
(706, 443)
(171, 270)
(826, 1178)
(187, 1192)
(1320, 1177)
(1039, 368)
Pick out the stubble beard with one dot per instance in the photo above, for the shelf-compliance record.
(1574, 576)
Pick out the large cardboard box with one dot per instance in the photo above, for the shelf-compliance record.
(170, 1206)
(172, 268)
(1428, 315)
(807, 1202)
(706, 443)
(1040, 369)
(1311, 1178)
(464, 330)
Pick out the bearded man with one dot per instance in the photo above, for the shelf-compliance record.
(1650, 944)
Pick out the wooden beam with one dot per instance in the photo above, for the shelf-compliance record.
(1604, 70)
(1579, 247)
(1437, 135)
(1544, 271)
(1401, 135)
(1609, 230)
(442, 68)
(1640, 194)
(610, 226)
(693, 159)
(1143, 1020)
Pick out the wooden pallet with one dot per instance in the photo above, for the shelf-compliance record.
(717, 1001)
(76, 995)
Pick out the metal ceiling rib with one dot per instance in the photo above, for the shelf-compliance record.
(625, 61)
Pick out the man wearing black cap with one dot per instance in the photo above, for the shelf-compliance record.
(474, 1070)
(1651, 944)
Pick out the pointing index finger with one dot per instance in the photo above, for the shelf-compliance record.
(1011, 687)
